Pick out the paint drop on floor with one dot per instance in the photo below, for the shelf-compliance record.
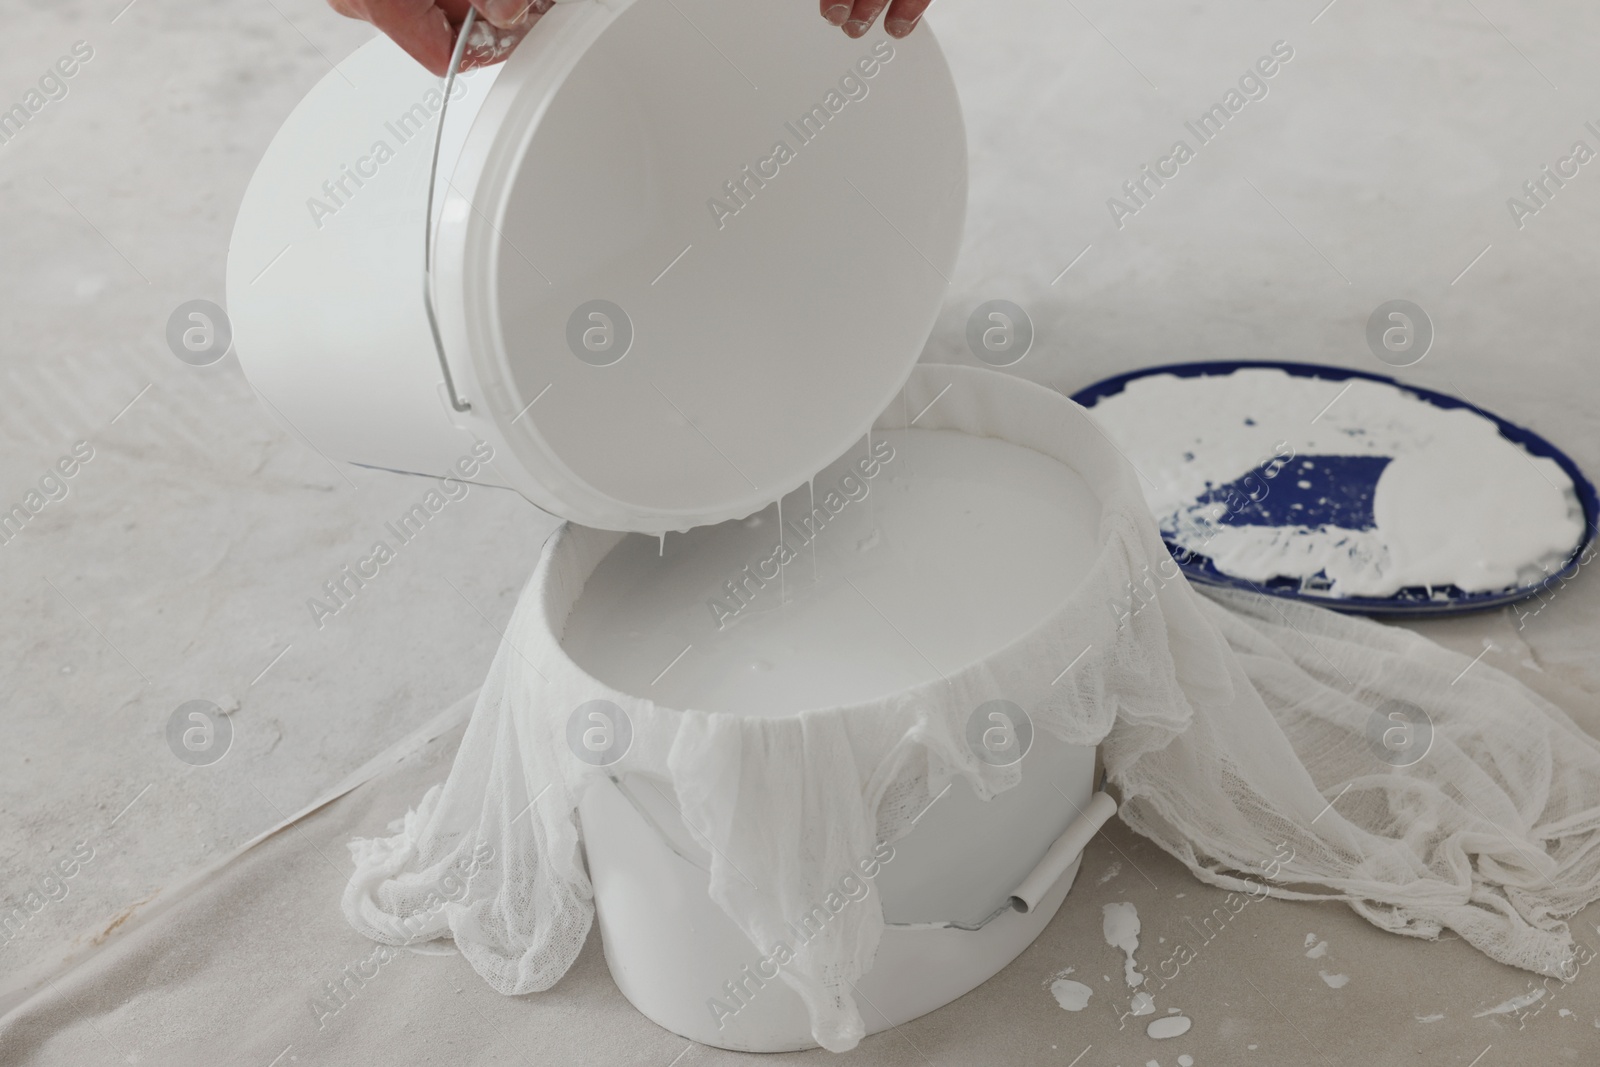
(1514, 1004)
(1311, 939)
(1319, 950)
(1171, 1026)
(1120, 924)
(1111, 872)
(1073, 996)
(1142, 1004)
(1186, 1060)
(1564, 1013)
(1335, 981)
(1435, 1017)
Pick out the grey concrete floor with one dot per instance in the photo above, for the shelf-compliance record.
(179, 564)
(177, 567)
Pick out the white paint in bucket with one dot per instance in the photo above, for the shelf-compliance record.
(970, 543)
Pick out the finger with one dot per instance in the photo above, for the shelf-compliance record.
(506, 14)
(494, 44)
(836, 11)
(903, 16)
(420, 28)
(863, 15)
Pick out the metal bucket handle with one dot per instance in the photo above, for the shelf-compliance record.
(457, 401)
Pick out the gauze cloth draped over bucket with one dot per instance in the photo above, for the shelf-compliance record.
(1240, 732)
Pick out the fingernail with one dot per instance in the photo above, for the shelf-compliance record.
(505, 13)
(901, 27)
(856, 27)
(837, 14)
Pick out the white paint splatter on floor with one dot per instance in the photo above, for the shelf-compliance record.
(1186, 1060)
(1311, 939)
(1170, 1026)
(1316, 952)
(1111, 871)
(1514, 1004)
(1120, 924)
(1430, 1018)
(1335, 981)
(1142, 1004)
(1073, 996)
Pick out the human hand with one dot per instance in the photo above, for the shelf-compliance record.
(426, 29)
(856, 17)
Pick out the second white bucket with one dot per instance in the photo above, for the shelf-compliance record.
(920, 554)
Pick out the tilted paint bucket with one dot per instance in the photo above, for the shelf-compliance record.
(684, 251)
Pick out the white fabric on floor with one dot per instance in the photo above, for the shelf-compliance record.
(1240, 736)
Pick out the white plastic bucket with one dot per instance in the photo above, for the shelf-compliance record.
(954, 549)
(655, 316)
(671, 950)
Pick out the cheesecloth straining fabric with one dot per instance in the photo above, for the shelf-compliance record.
(1240, 732)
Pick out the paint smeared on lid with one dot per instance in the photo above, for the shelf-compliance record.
(1356, 488)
